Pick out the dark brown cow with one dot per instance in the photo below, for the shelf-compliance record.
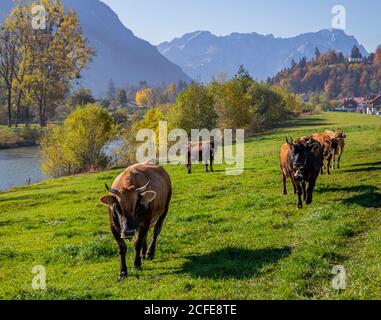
(201, 152)
(138, 201)
(301, 161)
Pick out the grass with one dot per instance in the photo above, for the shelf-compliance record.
(226, 237)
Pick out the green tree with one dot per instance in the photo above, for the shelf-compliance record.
(356, 53)
(121, 97)
(80, 97)
(233, 104)
(243, 77)
(78, 145)
(194, 109)
(111, 91)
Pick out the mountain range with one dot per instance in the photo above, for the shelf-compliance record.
(200, 55)
(120, 55)
(203, 55)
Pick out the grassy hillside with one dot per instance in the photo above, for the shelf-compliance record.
(225, 237)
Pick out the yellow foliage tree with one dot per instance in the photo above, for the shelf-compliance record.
(144, 97)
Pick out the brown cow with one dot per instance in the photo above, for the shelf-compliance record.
(138, 201)
(201, 152)
(301, 160)
(340, 138)
(329, 145)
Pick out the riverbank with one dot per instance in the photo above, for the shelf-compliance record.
(232, 237)
(21, 137)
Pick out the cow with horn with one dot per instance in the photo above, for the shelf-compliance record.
(301, 161)
(138, 200)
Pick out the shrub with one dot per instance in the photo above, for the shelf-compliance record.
(78, 145)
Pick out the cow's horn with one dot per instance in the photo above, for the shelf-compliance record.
(142, 189)
(111, 190)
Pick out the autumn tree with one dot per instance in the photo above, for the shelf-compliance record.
(8, 63)
(377, 57)
(46, 61)
(144, 97)
(62, 54)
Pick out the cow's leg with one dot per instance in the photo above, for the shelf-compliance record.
(142, 235)
(211, 163)
(189, 163)
(143, 251)
(304, 190)
(300, 193)
(159, 225)
(338, 161)
(310, 190)
(207, 168)
(328, 167)
(284, 184)
(122, 252)
(294, 184)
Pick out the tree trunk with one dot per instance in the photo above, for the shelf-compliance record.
(9, 103)
(27, 116)
(41, 112)
(17, 110)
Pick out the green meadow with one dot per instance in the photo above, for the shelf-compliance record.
(225, 237)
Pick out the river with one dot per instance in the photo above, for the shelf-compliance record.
(21, 166)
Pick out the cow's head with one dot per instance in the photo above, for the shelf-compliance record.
(340, 135)
(333, 144)
(298, 157)
(127, 208)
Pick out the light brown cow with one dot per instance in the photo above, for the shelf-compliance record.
(340, 138)
(138, 201)
(329, 146)
(285, 168)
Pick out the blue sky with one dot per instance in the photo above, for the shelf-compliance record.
(162, 20)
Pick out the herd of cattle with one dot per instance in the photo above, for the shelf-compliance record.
(139, 198)
(302, 161)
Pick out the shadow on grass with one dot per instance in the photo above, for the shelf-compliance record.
(377, 163)
(367, 196)
(304, 122)
(368, 169)
(233, 263)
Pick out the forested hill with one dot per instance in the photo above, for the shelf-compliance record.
(334, 75)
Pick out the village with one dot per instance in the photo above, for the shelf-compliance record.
(370, 105)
